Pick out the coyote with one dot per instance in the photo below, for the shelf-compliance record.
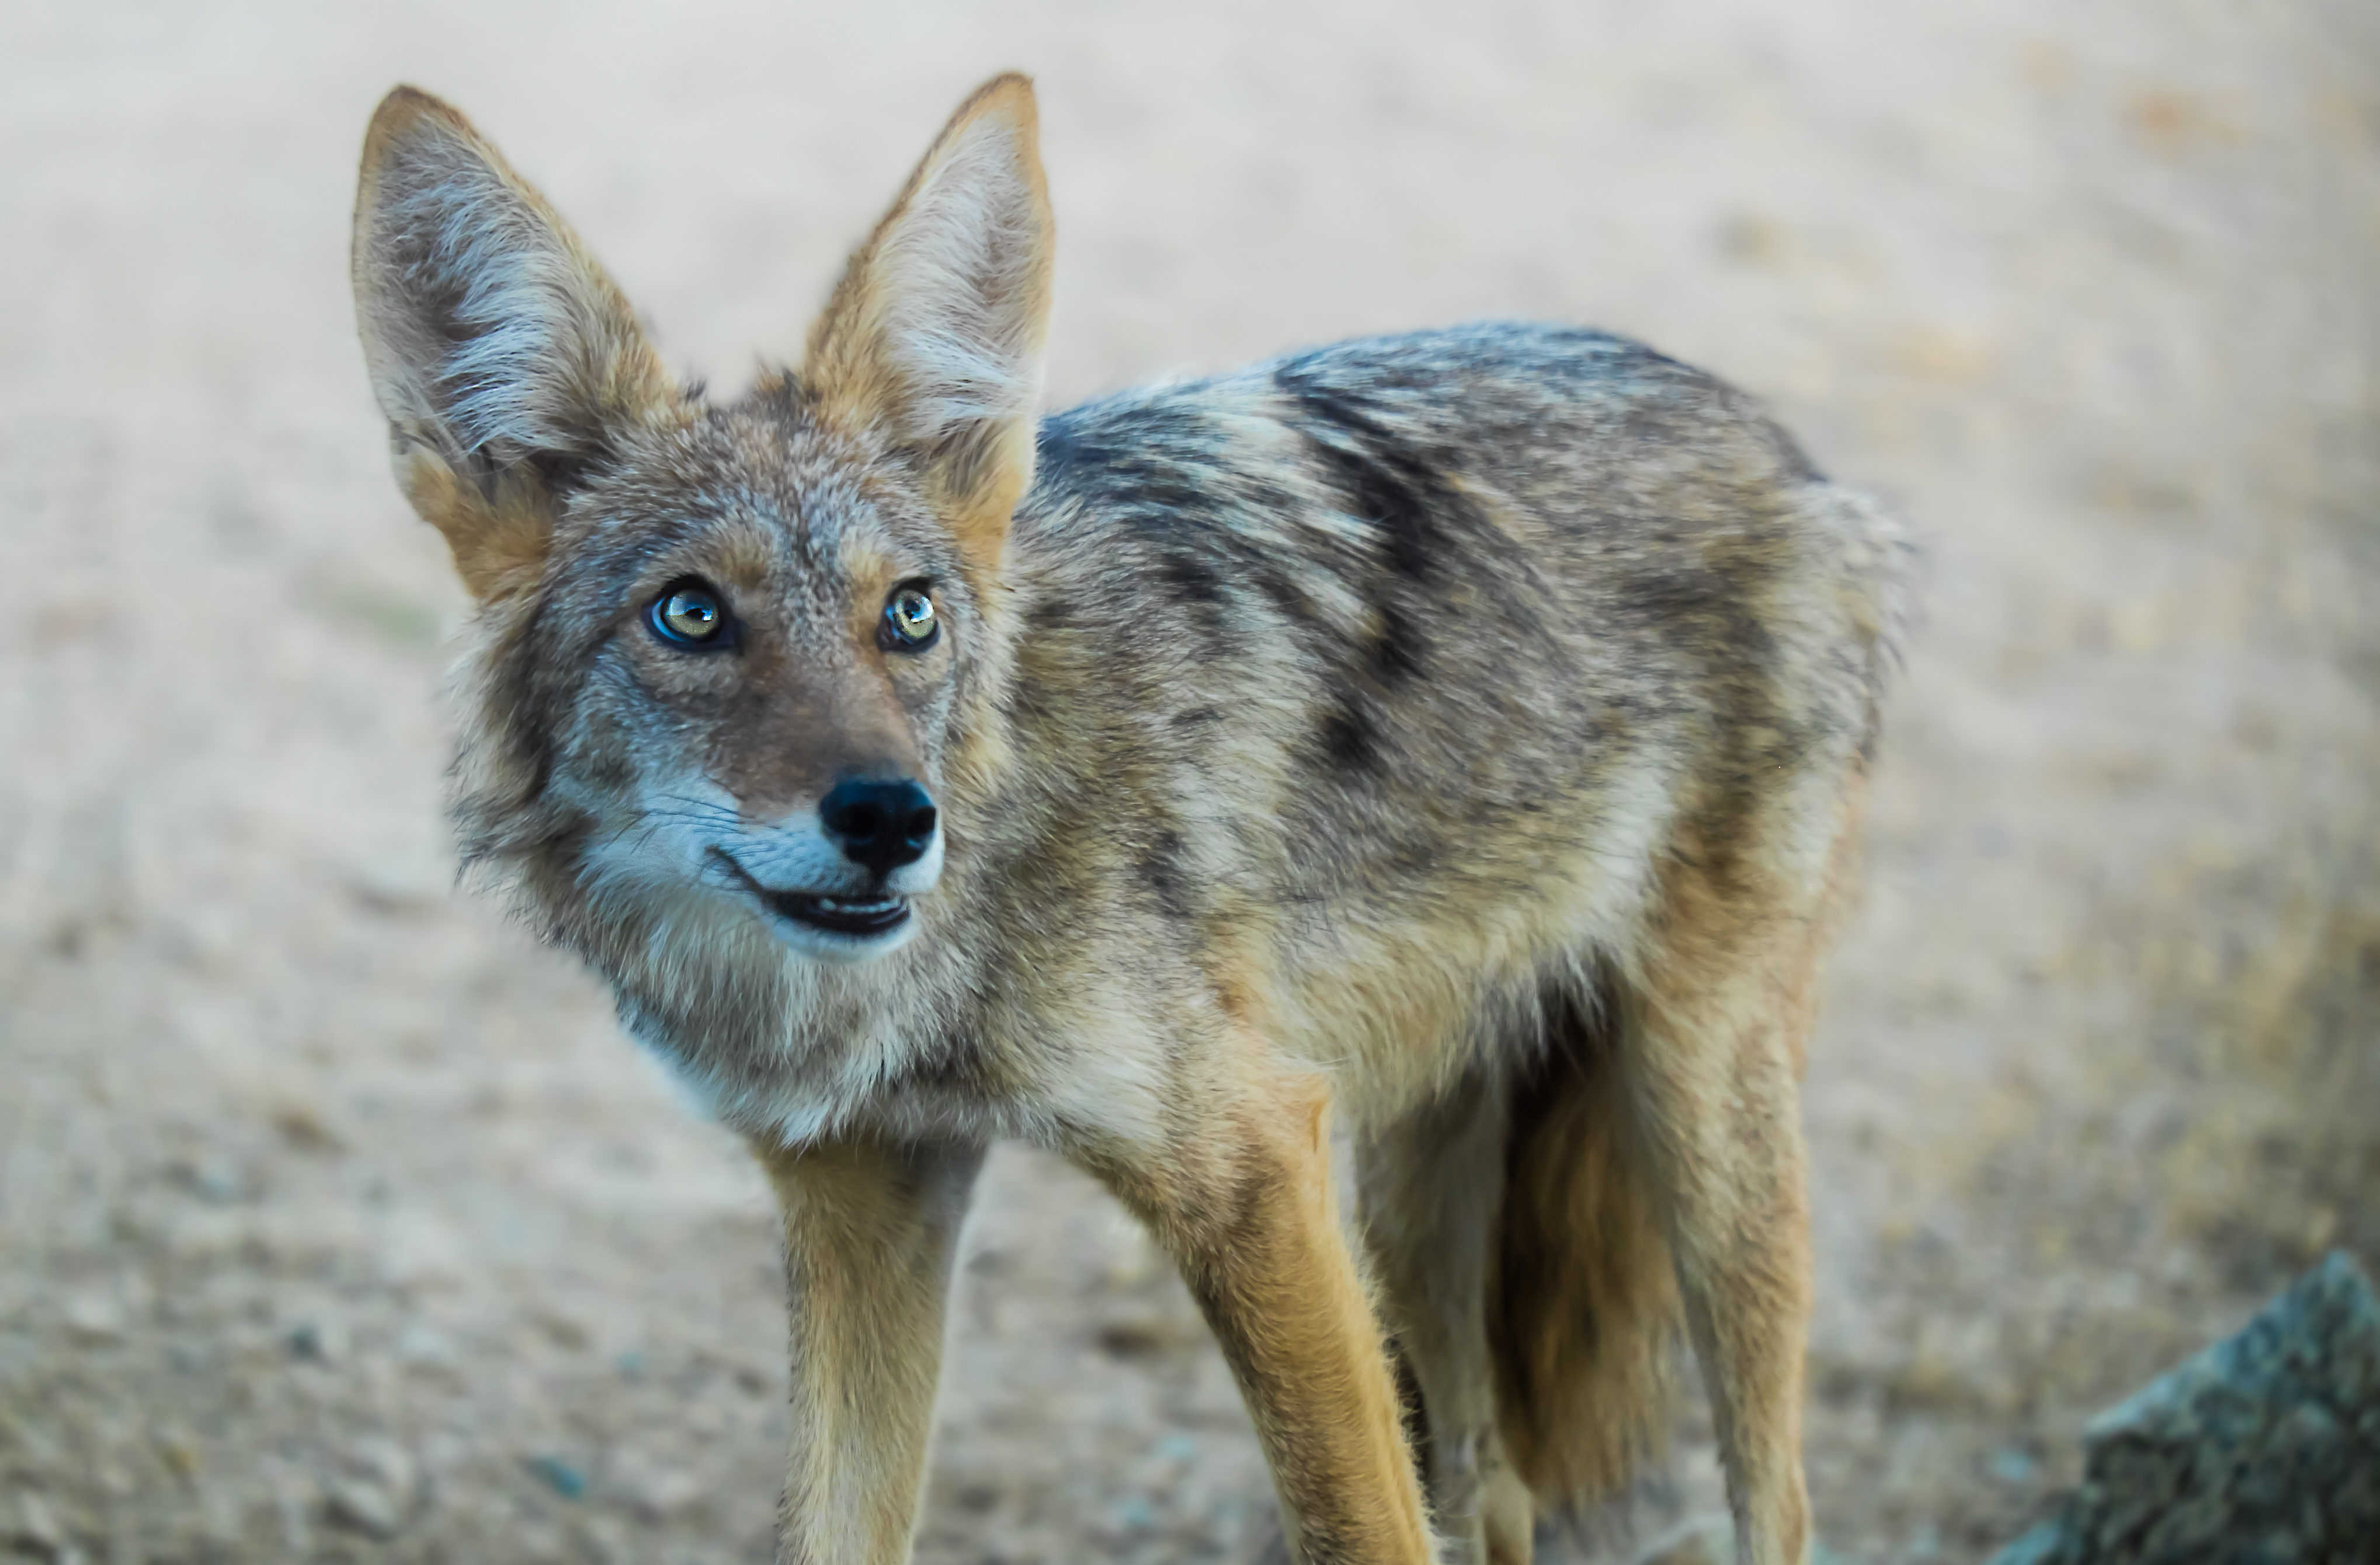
(1460, 736)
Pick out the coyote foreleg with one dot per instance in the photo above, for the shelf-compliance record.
(869, 1234)
(1249, 1217)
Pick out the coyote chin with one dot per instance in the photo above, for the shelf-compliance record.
(1459, 734)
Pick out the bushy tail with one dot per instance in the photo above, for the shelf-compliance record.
(1582, 1300)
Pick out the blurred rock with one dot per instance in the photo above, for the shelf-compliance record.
(2265, 1449)
(387, 1464)
(419, 1342)
(661, 1495)
(2012, 1466)
(317, 1341)
(213, 1180)
(559, 1475)
(38, 1526)
(303, 1129)
(401, 883)
(363, 1508)
(95, 1319)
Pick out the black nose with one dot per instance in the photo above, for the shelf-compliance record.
(882, 825)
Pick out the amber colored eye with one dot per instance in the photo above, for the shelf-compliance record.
(688, 614)
(909, 622)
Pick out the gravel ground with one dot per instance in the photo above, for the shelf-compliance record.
(337, 1222)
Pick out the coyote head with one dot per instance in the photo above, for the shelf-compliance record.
(726, 657)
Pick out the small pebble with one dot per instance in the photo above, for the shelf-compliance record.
(317, 1341)
(362, 1507)
(660, 1496)
(213, 1180)
(2010, 1466)
(38, 1525)
(95, 1317)
(420, 1342)
(559, 1477)
(389, 1463)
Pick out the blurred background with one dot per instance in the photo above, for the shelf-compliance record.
(337, 1222)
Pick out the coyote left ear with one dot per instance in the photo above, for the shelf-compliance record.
(505, 360)
(935, 332)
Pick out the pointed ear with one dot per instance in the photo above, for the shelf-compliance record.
(505, 359)
(934, 335)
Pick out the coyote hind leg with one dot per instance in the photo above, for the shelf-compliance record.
(1717, 1103)
(1428, 1188)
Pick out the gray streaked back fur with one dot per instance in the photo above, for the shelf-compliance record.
(1477, 589)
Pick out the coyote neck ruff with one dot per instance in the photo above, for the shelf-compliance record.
(1461, 730)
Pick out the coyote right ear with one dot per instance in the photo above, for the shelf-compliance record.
(505, 359)
(934, 335)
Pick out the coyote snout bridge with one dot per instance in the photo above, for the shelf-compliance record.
(1458, 734)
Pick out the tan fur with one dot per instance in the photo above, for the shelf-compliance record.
(1458, 735)
(597, 367)
(857, 362)
(1253, 1225)
(870, 1233)
(497, 533)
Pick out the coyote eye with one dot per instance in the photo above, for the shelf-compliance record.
(688, 614)
(909, 622)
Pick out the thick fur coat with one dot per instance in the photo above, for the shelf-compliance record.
(1459, 732)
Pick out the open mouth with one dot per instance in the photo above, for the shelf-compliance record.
(857, 918)
(839, 916)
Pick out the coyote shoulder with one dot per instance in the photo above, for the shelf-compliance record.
(1459, 734)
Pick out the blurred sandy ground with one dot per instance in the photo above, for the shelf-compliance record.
(337, 1222)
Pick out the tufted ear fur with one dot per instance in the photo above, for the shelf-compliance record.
(505, 360)
(934, 335)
